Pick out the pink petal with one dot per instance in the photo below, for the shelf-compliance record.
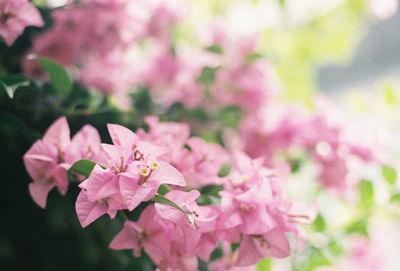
(58, 134)
(61, 180)
(149, 149)
(88, 211)
(39, 192)
(277, 244)
(167, 174)
(126, 238)
(133, 193)
(122, 136)
(248, 253)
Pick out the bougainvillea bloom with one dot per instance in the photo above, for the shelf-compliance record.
(15, 16)
(49, 158)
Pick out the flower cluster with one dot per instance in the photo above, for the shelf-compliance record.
(103, 36)
(15, 16)
(49, 158)
(274, 135)
(250, 208)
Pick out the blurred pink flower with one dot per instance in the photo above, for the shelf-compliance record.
(15, 16)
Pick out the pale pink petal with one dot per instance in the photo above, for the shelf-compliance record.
(39, 192)
(58, 134)
(88, 211)
(248, 253)
(122, 136)
(133, 193)
(61, 179)
(276, 244)
(167, 174)
(126, 238)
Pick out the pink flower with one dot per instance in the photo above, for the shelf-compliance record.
(170, 135)
(253, 248)
(49, 158)
(100, 195)
(133, 174)
(202, 162)
(15, 16)
(150, 233)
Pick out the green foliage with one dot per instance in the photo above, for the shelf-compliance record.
(215, 49)
(225, 170)
(82, 167)
(10, 83)
(359, 226)
(230, 116)
(264, 265)
(390, 174)
(59, 77)
(207, 76)
(366, 192)
(319, 223)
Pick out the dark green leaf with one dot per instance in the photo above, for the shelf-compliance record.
(59, 77)
(225, 170)
(390, 174)
(207, 75)
(82, 167)
(11, 83)
(215, 49)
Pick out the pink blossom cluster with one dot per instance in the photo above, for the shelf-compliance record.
(239, 77)
(49, 158)
(277, 132)
(361, 255)
(15, 16)
(95, 37)
(250, 210)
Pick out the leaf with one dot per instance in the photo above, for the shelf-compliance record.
(215, 49)
(264, 265)
(59, 77)
(319, 223)
(366, 191)
(207, 75)
(358, 226)
(395, 198)
(390, 174)
(163, 200)
(83, 167)
(11, 83)
(225, 170)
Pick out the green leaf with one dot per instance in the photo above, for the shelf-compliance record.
(395, 198)
(208, 200)
(59, 77)
(366, 191)
(163, 189)
(207, 75)
(83, 167)
(264, 265)
(225, 170)
(215, 49)
(163, 200)
(11, 83)
(335, 248)
(358, 226)
(390, 174)
(319, 223)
